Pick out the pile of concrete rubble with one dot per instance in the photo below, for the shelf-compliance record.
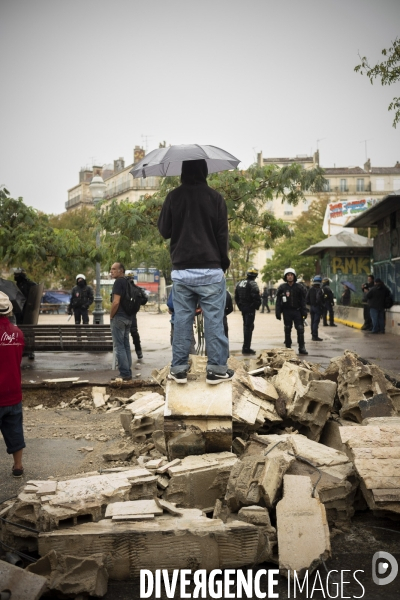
(250, 471)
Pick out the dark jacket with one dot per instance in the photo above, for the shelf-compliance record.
(24, 284)
(346, 297)
(377, 295)
(228, 304)
(247, 295)
(328, 295)
(81, 297)
(195, 218)
(295, 298)
(315, 297)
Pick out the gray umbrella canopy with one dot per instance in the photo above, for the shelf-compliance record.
(9, 288)
(168, 161)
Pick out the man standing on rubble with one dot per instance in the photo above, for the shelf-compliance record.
(248, 300)
(291, 303)
(194, 217)
(11, 348)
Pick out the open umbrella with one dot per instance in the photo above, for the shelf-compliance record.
(9, 288)
(350, 285)
(168, 161)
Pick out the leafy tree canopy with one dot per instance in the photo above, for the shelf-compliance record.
(307, 232)
(388, 71)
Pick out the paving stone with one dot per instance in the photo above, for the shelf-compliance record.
(98, 396)
(136, 507)
(303, 533)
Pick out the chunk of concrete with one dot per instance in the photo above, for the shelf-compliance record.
(22, 584)
(303, 533)
(256, 515)
(73, 574)
(198, 418)
(168, 542)
(199, 480)
(98, 396)
(158, 438)
(380, 405)
(135, 507)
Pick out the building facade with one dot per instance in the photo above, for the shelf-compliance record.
(120, 185)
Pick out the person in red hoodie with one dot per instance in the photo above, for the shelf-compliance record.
(11, 348)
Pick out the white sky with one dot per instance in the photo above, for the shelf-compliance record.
(83, 80)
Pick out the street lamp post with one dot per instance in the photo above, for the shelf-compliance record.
(97, 188)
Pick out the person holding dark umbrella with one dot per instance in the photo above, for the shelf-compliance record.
(194, 217)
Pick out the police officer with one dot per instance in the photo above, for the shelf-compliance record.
(248, 300)
(290, 301)
(328, 304)
(315, 299)
(81, 298)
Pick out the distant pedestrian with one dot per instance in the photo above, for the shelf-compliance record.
(329, 303)
(248, 300)
(81, 298)
(367, 325)
(11, 349)
(134, 327)
(346, 296)
(120, 322)
(315, 300)
(291, 303)
(264, 299)
(24, 284)
(379, 298)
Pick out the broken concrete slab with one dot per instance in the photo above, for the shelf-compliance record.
(168, 507)
(303, 533)
(135, 507)
(98, 396)
(199, 480)
(22, 584)
(375, 451)
(380, 405)
(120, 452)
(198, 418)
(256, 515)
(73, 574)
(330, 435)
(83, 498)
(167, 542)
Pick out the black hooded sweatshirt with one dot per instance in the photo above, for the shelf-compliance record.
(195, 218)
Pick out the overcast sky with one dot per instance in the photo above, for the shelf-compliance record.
(82, 81)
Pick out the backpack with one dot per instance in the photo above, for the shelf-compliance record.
(320, 297)
(133, 299)
(389, 299)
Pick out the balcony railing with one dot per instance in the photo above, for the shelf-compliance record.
(349, 189)
(77, 200)
(127, 186)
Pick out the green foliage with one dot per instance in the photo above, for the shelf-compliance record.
(28, 239)
(307, 232)
(388, 71)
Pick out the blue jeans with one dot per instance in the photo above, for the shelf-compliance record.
(120, 328)
(212, 298)
(11, 427)
(378, 320)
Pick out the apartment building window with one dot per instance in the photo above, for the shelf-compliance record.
(343, 185)
(360, 185)
(379, 185)
(327, 186)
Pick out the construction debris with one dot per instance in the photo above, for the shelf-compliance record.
(303, 533)
(22, 584)
(73, 574)
(375, 451)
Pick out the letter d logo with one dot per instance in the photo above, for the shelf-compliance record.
(380, 568)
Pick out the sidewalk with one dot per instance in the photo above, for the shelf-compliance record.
(154, 329)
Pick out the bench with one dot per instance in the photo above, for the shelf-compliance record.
(67, 338)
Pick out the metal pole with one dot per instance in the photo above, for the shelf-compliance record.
(98, 301)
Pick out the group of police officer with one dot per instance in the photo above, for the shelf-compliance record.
(291, 302)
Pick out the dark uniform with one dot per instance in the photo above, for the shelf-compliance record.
(328, 305)
(290, 302)
(248, 300)
(24, 285)
(315, 301)
(81, 298)
(264, 298)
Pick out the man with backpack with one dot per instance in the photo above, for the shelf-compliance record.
(248, 300)
(122, 310)
(315, 299)
(379, 298)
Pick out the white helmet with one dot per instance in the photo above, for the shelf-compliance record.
(289, 270)
(129, 273)
(80, 276)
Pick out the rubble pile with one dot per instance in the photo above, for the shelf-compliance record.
(274, 457)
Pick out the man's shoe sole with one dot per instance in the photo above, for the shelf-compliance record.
(170, 376)
(217, 381)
